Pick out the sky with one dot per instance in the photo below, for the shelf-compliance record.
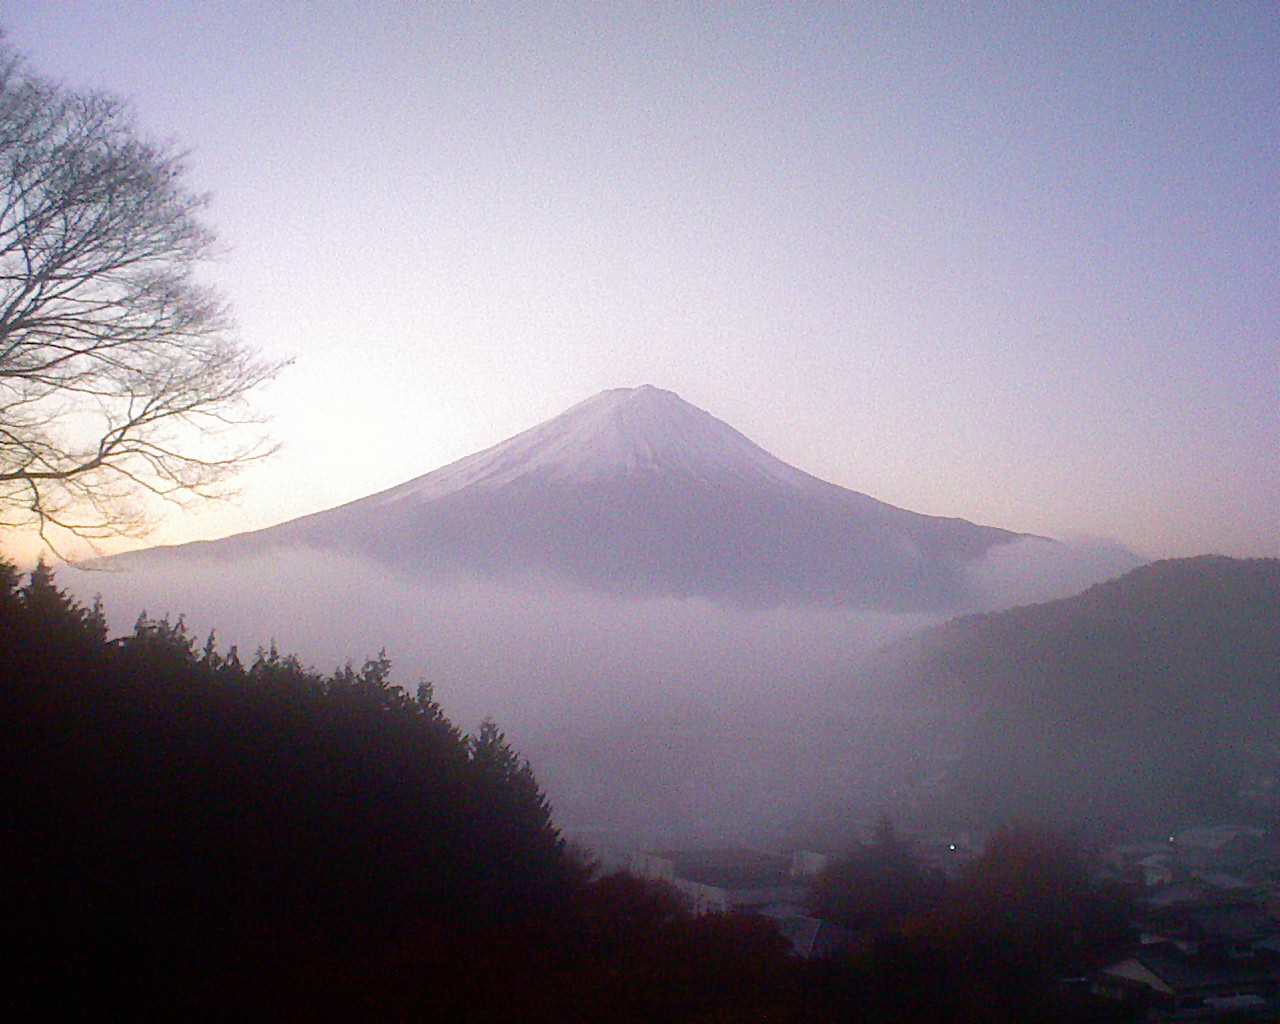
(1015, 263)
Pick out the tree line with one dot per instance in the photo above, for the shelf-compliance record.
(170, 807)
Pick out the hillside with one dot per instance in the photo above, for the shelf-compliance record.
(1150, 698)
(190, 831)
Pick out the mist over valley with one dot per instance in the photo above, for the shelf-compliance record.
(672, 674)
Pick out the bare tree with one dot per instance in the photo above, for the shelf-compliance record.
(120, 376)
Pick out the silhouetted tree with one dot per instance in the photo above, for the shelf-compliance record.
(877, 886)
(10, 581)
(1031, 902)
(66, 628)
(517, 810)
(493, 757)
(119, 374)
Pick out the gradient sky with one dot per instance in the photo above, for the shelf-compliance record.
(1015, 263)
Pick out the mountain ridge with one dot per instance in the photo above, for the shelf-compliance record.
(1147, 698)
(635, 491)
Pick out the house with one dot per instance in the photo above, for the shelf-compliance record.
(808, 863)
(1223, 856)
(1230, 929)
(810, 937)
(1214, 847)
(749, 881)
(1172, 985)
(1204, 953)
(723, 880)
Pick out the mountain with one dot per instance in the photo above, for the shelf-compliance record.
(635, 491)
(509, 579)
(1153, 698)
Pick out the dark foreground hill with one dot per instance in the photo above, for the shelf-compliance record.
(1150, 699)
(174, 821)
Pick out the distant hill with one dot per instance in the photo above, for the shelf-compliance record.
(1150, 699)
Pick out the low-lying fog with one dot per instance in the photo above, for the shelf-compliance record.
(660, 720)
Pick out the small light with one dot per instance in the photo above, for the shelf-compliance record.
(951, 847)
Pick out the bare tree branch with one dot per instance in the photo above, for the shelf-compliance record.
(120, 376)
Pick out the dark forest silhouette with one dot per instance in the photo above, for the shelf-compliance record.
(171, 808)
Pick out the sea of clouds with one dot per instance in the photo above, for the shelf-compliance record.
(652, 720)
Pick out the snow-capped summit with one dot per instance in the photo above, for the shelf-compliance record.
(619, 432)
(636, 491)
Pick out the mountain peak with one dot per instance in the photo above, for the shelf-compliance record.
(645, 395)
(618, 433)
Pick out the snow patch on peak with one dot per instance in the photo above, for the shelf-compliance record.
(619, 432)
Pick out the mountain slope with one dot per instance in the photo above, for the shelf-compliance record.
(635, 491)
(1153, 697)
